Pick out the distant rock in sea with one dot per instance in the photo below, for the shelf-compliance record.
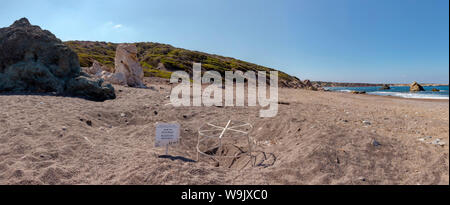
(415, 87)
(435, 90)
(34, 60)
(385, 87)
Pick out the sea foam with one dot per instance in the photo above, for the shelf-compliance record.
(409, 95)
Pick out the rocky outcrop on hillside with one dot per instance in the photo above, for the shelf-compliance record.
(34, 60)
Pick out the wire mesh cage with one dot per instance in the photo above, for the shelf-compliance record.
(224, 140)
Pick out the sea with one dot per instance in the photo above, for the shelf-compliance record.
(399, 91)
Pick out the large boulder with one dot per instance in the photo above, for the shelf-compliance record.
(34, 60)
(126, 63)
(91, 89)
(414, 87)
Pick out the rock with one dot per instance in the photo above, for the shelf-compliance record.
(358, 92)
(414, 87)
(435, 90)
(438, 142)
(88, 122)
(366, 122)
(90, 89)
(120, 77)
(308, 85)
(114, 78)
(283, 103)
(34, 60)
(385, 87)
(375, 143)
(126, 62)
(96, 69)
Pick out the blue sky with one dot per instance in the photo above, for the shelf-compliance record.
(389, 41)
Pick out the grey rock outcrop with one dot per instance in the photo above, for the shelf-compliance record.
(34, 60)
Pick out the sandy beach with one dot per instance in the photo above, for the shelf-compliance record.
(316, 138)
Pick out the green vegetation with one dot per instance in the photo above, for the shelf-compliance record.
(87, 52)
(157, 73)
(151, 55)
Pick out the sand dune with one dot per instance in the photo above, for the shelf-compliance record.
(316, 138)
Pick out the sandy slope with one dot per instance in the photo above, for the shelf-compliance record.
(319, 138)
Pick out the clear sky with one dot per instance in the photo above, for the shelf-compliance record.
(388, 41)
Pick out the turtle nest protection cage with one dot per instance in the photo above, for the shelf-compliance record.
(224, 140)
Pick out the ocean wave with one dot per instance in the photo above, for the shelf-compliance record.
(345, 91)
(410, 95)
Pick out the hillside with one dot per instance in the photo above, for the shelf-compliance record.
(159, 60)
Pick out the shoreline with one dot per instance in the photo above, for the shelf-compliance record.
(395, 97)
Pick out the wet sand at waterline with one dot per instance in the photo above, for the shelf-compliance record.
(316, 138)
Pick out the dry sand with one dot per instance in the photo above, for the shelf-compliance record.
(316, 138)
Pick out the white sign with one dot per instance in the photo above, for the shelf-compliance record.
(167, 134)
